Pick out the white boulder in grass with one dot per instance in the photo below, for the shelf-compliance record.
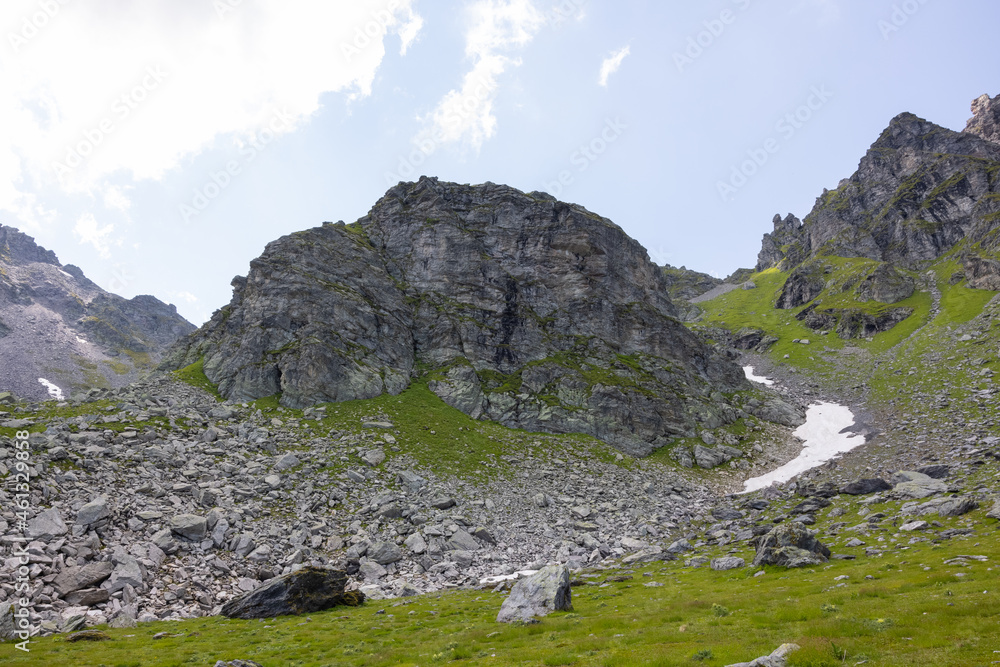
(545, 591)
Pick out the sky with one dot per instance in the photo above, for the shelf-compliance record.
(160, 145)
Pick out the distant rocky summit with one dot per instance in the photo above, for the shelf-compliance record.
(985, 121)
(57, 325)
(529, 311)
(920, 191)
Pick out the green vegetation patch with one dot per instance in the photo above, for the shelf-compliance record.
(194, 375)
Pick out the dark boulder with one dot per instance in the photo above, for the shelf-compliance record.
(935, 471)
(865, 486)
(303, 591)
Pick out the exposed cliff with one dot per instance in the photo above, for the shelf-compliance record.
(918, 191)
(58, 325)
(526, 310)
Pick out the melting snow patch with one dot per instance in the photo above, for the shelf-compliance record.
(54, 391)
(824, 438)
(80, 340)
(65, 274)
(506, 577)
(748, 371)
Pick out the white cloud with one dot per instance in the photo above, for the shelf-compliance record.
(116, 199)
(139, 87)
(87, 230)
(185, 296)
(611, 64)
(496, 28)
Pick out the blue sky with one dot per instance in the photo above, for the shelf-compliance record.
(160, 145)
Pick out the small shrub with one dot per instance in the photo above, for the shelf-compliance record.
(704, 654)
(719, 610)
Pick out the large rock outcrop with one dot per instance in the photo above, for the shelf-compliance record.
(918, 191)
(534, 313)
(58, 325)
(985, 121)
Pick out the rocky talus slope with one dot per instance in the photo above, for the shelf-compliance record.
(527, 311)
(158, 501)
(58, 325)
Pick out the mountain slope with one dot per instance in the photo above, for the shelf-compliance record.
(528, 311)
(58, 325)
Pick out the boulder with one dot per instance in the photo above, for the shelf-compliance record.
(994, 512)
(46, 526)
(126, 573)
(189, 526)
(935, 471)
(416, 543)
(914, 485)
(287, 461)
(75, 578)
(863, 487)
(727, 514)
(373, 457)
(462, 541)
(384, 553)
(545, 591)
(93, 511)
(947, 506)
(790, 545)
(8, 628)
(304, 591)
(411, 481)
(727, 563)
(776, 659)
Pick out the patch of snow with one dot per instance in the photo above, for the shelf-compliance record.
(748, 371)
(824, 438)
(506, 577)
(54, 391)
(80, 340)
(65, 274)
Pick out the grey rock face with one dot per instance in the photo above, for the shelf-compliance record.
(37, 293)
(886, 284)
(982, 273)
(301, 592)
(790, 545)
(985, 121)
(539, 314)
(545, 591)
(918, 191)
(684, 284)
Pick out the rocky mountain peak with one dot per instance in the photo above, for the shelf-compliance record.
(918, 191)
(57, 325)
(17, 248)
(985, 121)
(528, 311)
